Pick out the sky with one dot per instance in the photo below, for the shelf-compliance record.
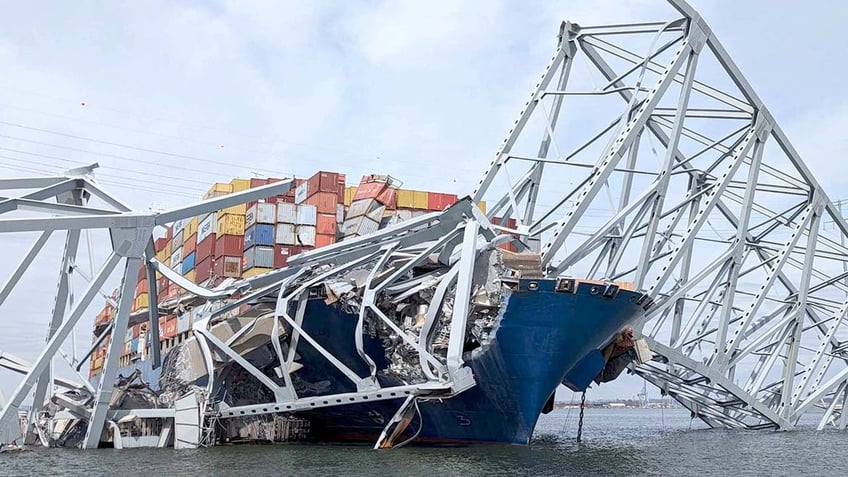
(169, 97)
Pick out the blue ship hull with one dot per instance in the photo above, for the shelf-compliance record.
(545, 337)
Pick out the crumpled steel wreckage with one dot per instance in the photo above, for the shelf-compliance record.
(709, 210)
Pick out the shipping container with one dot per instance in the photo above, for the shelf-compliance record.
(185, 321)
(300, 193)
(405, 199)
(420, 200)
(163, 256)
(349, 193)
(362, 207)
(190, 244)
(231, 245)
(238, 209)
(286, 213)
(141, 287)
(203, 269)
(188, 263)
(305, 235)
(340, 213)
(179, 225)
(227, 266)
(191, 227)
(306, 215)
(230, 224)
(361, 225)
(322, 181)
(255, 271)
(162, 285)
(326, 224)
(207, 227)
(258, 256)
(167, 327)
(240, 185)
(324, 202)
(284, 234)
(258, 182)
(205, 248)
(169, 249)
(369, 190)
(217, 190)
(176, 258)
(439, 201)
(141, 301)
(388, 197)
(191, 276)
(260, 213)
(322, 240)
(259, 234)
(177, 241)
(159, 244)
(377, 213)
(281, 255)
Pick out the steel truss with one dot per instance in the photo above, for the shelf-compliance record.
(668, 171)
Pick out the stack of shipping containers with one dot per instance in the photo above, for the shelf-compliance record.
(250, 239)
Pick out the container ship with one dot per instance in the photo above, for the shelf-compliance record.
(532, 334)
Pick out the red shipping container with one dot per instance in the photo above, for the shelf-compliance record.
(141, 287)
(388, 197)
(169, 233)
(160, 243)
(232, 245)
(326, 224)
(142, 273)
(322, 240)
(281, 255)
(439, 201)
(206, 248)
(227, 266)
(189, 245)
(324, 202)
(162, 286)
(173, 291)
(369, 190)
(322, 181)
(136, 331)
(340, 192)
(167, 327)
(203, 270)
(257, 182)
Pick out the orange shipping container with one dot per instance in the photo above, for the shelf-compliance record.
(190, 245)
(326, 224)
(322, 240)
(324, 202)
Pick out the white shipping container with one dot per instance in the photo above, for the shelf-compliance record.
(359, 226)
(179, 225)
(184, 322)
(300, 193)
(250, 216)
(207, 227)
(307, 215)
(284, 234)
(377, 213)
(340, 213)
(359, 207)
(265, 213)
(305, 235)
(403, 215)
(286, 213)
(176, 258)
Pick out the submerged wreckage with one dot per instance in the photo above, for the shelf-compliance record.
(458, 325)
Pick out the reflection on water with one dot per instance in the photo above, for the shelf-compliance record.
(615, 442)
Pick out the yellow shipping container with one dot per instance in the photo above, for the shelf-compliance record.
(217, 190)
(162, 255)
(168, 251)
(231, 224)
(482, 205)
(141, 301)
(420, 200)
(239, 185)
(191, 227)
(252, 272)
(234, 210)
(405, 199)
(192, 275)
(348, 197)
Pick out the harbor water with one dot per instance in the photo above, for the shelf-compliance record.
(615, 442)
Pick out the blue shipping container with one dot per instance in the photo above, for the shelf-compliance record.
(188, 263)
(259, 234)
(134, 345)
